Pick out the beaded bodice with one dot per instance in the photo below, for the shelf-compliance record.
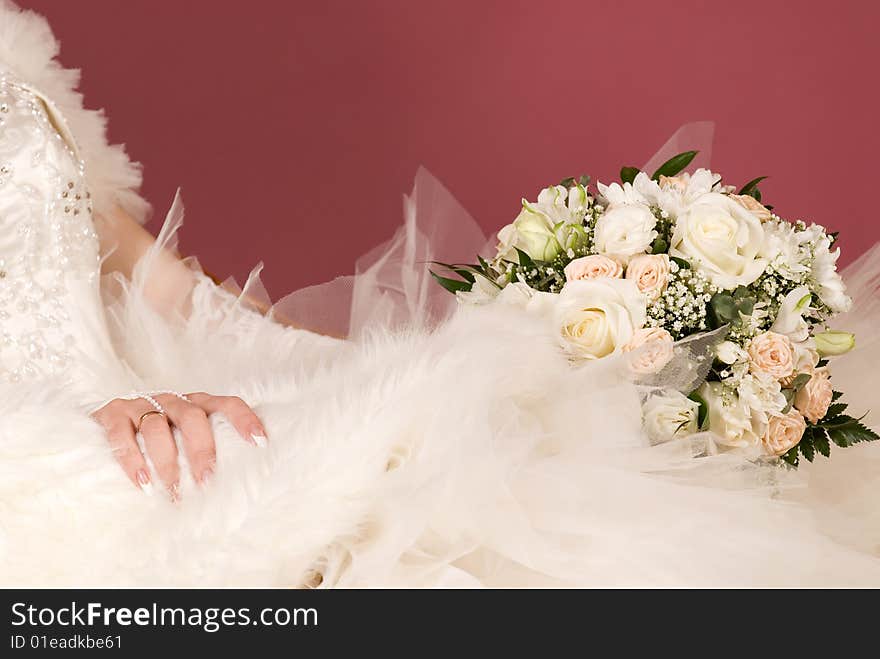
(49, 253)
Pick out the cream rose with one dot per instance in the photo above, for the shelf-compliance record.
(651, 349)
(598, 317)
(771, 354)
(814, 398)
(533, 233)
(593, 267)
(548, 226)
(625, 230)
(783, 432)
(650, 272)
(669, 415)
(721, 238)
(753, 206)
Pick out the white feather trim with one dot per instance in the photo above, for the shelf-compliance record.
(27, 51)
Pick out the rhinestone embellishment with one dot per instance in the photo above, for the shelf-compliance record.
(50, 244)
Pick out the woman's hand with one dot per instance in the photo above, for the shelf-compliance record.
(120, 418)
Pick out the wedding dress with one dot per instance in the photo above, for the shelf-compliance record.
(437, 446)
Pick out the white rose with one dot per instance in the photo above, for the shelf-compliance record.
(729, 418)
(625, 230)
(598, 317)
(669, 415)
(721, 238)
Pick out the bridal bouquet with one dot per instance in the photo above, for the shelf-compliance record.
(655, 264)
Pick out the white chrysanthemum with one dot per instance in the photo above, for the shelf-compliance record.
(641, 191)
(677, 193)
(762, 395)
(781, 248)
(829, 284)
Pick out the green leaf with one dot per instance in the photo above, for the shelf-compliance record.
(684, 265)
(821, 363)
(806, 447)
(850, 433)
(465, 271)
(789, 399)
(674, 165)
(584, 180)
(628, 174)
(703, 411)
(451, 285)
(791, 457)
(835, 395)
(745, 306)
(820, 441)
(800, 380)
(723, 308)
(834, 410)
(567, 182)
(524, 259)
(752, 186)
(659, 246)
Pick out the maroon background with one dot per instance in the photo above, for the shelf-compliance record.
(294, 128)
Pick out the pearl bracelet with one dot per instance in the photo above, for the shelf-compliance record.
(147, 396)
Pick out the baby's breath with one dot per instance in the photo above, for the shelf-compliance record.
(681, 308)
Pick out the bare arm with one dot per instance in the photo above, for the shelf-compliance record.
(125, 242)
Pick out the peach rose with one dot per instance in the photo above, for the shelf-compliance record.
(593, 267)
(650, 272)
(805, 359)
(783, 432)
(815, 396)
(771, 354)
(751, 204)
(678, 183)
(653, 350)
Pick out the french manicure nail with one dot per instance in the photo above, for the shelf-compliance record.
(259, 440)
(143, 479)
(206, 475)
